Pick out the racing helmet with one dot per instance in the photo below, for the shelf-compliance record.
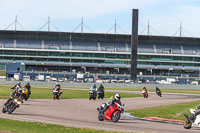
(156, 88)
(117, 96)
(28, 84)
(19, 83)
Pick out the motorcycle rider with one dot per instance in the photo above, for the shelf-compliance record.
(16, 89)
(101, 88)
(27, 86)
(116, 98)
(144, 90)
(197, 112)
(94, 87)
(18, 85)
(158, 90)
(58, 88)
(16, 92)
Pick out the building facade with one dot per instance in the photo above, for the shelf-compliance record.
(99, 53)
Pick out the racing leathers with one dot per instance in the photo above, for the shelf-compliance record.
(16, 92)
(193, 117)
(111, 102)
(101, 88)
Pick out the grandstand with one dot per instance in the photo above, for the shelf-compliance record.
(99, 53)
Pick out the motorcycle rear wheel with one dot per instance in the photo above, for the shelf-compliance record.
(90, 97)
(187, 124)
(94, 97)
(115, 117)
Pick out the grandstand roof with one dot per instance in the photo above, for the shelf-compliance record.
(95, 37)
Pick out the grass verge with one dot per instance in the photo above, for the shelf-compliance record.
(46, 93)
(186, 91)
(174, 111)
(14, 126)
(2, 73)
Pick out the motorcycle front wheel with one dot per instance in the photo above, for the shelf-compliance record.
(11, 108)
(4, 109)
(115, 117)
(100, 117)
(187, 124)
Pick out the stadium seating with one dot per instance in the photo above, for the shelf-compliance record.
(113, 47)
(22, 43)
(168, 49)
(7, 43)
(188, 49)
(56, 44)
(86, 46)
(145, 48)
(191, 49)
(104, 46)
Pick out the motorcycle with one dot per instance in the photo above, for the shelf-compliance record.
(159, 93)
(145, 94)
(56, 93)
(11, 105)
(92, 94)
(112, 113)
(100, 94)
(191, 121)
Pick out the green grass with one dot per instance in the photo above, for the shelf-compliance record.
(46, 93)
(187, 91)
(174, 111)
(35, 127)
(2, 73)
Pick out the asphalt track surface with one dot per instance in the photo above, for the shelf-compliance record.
(82, 113)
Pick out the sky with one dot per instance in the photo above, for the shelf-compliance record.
(99, 16)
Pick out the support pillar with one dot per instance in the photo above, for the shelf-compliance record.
(134, 44)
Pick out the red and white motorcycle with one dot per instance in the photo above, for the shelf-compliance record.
(145, 93)
(112, 113)
(192, 121)
(56, 93)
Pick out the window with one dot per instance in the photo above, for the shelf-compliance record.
(122, 56)
(53, 53)
(110, 55)
(42, 53)
(20, 52)
(98, 55)
(9, 52)
(65, 60)
(31, 53)
(76, 54)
